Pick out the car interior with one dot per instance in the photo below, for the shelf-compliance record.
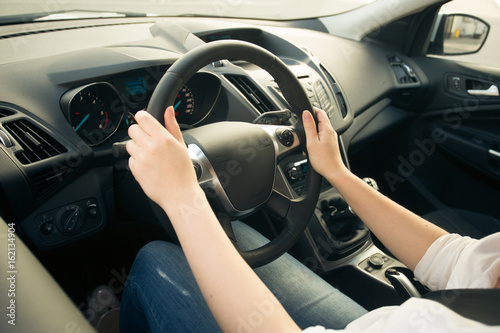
(414, 122)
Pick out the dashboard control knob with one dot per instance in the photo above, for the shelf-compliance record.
(92, 210)
(47, 228)
(71, 219)
(293, 173)
(197, 169)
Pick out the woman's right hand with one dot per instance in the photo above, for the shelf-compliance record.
(322, 145)
(160, 161)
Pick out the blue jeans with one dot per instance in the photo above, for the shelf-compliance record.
(161, 294)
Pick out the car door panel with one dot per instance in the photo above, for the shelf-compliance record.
(469, 106)
(452, 147)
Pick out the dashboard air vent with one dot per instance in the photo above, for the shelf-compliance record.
(36, 144)
(5, 113)
(48, 180)
(338, 93)
(404, 73)
(251, 92)
(342, 103)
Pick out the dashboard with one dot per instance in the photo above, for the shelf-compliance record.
(63, 107)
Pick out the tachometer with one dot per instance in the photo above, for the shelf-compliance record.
(95, 111)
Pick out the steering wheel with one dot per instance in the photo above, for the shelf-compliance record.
(237, 162)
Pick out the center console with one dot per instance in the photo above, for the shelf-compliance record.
(339, 245)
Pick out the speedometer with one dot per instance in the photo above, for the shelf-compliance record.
(95, 111)
(184, 106)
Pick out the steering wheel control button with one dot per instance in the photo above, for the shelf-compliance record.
(285, 137)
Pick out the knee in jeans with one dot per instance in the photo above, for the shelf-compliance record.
(158, 249)
(156, 254)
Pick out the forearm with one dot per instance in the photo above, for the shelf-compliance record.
(232, 290)
(404, 233)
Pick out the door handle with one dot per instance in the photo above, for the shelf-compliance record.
(491, 91)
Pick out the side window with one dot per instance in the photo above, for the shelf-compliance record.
(457, 37)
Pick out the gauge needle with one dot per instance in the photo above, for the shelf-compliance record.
(81, 122)
(177, 104)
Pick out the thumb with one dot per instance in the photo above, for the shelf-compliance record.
(171, 124)
(309, 126)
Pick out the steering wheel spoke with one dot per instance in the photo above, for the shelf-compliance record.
(210, 183)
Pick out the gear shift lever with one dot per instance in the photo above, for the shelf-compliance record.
(345, 230)
(372, 183)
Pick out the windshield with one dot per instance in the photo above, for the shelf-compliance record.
(41, 10)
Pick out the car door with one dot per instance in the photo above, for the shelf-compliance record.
(449, 154)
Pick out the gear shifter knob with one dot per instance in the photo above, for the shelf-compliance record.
(371, 182)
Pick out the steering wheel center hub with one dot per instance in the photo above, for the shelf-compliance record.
(243, 158)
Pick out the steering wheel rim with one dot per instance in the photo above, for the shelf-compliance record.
(295, 213)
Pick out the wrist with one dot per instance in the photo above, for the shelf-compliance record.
(191, 196)
(337, 174)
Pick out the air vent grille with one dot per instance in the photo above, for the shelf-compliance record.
(336, 89)
(48, 180)
(36, 144)
(252, 93)
(404, 73)
(342, 103)
(5, 113)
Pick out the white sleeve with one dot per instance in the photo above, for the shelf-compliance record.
(416, 315)
(453, 261)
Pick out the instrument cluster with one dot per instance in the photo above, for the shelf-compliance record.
(97, 110)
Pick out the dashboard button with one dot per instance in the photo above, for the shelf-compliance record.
(47, 228)
(376, 261)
